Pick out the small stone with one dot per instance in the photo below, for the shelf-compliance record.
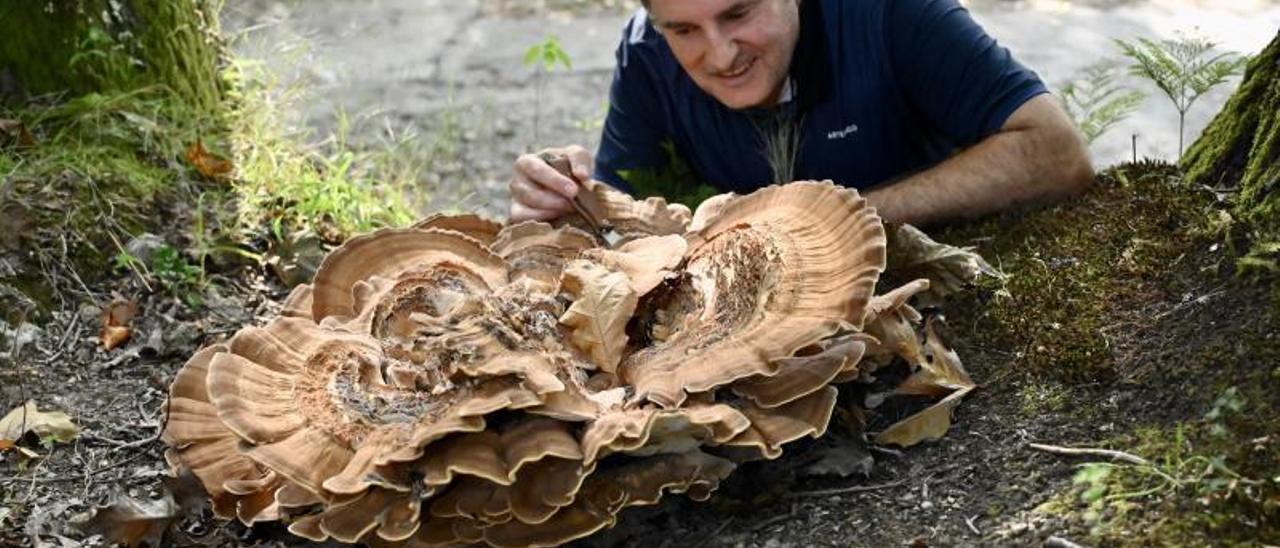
(926, 505)
(143, 246)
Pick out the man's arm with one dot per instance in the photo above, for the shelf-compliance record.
(1037, 156)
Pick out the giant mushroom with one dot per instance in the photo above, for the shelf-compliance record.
(462, 381)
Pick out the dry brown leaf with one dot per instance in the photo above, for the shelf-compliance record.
(208, 164)
(133, 522)
(932, 423)
(646, 261)
(15, 132)
(603, 303)
(912, 254)
(115, 322)
(54, 425)
(940, 370)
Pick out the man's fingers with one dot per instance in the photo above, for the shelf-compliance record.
(521, 212)
(537, 171)
(582, 160)
(537, 197)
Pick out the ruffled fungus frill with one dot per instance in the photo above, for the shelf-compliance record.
(460, 381)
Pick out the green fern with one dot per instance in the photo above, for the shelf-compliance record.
(1184, 69)
(1096, 101)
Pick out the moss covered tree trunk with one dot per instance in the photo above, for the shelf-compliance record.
(74, 47)
(1241, 149)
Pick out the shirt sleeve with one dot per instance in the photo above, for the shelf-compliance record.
(954, 74)
(634, 126)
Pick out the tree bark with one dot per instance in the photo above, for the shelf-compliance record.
(1241, 149)
(74, 47)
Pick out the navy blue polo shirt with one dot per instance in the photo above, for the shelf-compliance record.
(883, 88)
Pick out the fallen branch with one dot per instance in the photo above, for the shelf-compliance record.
(1089, 452)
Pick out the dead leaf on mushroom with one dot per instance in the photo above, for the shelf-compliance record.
(206, 163)
(604, 302)
(54, 425)
(115, 322)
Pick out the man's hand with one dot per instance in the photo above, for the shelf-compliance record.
(1038, 156)
(539, 192)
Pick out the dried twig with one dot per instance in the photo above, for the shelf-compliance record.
(844, 490)
(1089, 452)
(969, 521)
(780, 518)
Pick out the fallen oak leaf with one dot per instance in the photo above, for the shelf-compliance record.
(930, 424)
(54, 425)
(603, 303)
(115, 322)
(206, 163)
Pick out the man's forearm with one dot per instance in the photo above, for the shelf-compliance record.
(1028, 161)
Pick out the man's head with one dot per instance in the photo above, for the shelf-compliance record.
(738, 51)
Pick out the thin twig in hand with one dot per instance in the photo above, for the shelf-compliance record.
(1089, 452)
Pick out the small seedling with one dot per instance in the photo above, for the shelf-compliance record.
(1184, 69)
(175, 273)
(545, 57)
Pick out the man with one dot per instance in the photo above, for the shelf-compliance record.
(907, 100)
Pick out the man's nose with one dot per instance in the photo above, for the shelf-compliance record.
(723, 51)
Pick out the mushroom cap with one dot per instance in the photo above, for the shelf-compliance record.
(390, 253)
(200, 441)
(474, 226)
(540, 251)
(775, 271)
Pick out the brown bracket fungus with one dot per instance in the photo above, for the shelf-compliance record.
(461, 381)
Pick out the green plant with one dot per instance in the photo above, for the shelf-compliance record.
(1096, 101)
(675, 180)
(1184, 69)
(330, 188)
(544, 56)
(177, 275)
(1228, 404)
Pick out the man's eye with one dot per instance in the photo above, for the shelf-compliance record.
(736, 14)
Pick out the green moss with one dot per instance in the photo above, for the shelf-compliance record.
(99, 171)
(1208, 483)
(1079, 271)
(113, 46)
(1241, 148)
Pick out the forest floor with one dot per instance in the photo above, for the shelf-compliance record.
(1123, 326)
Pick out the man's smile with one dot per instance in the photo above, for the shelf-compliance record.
(735, 76)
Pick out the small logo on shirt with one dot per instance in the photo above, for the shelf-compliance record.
(842, 133)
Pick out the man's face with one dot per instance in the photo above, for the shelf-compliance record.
(739, 51)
